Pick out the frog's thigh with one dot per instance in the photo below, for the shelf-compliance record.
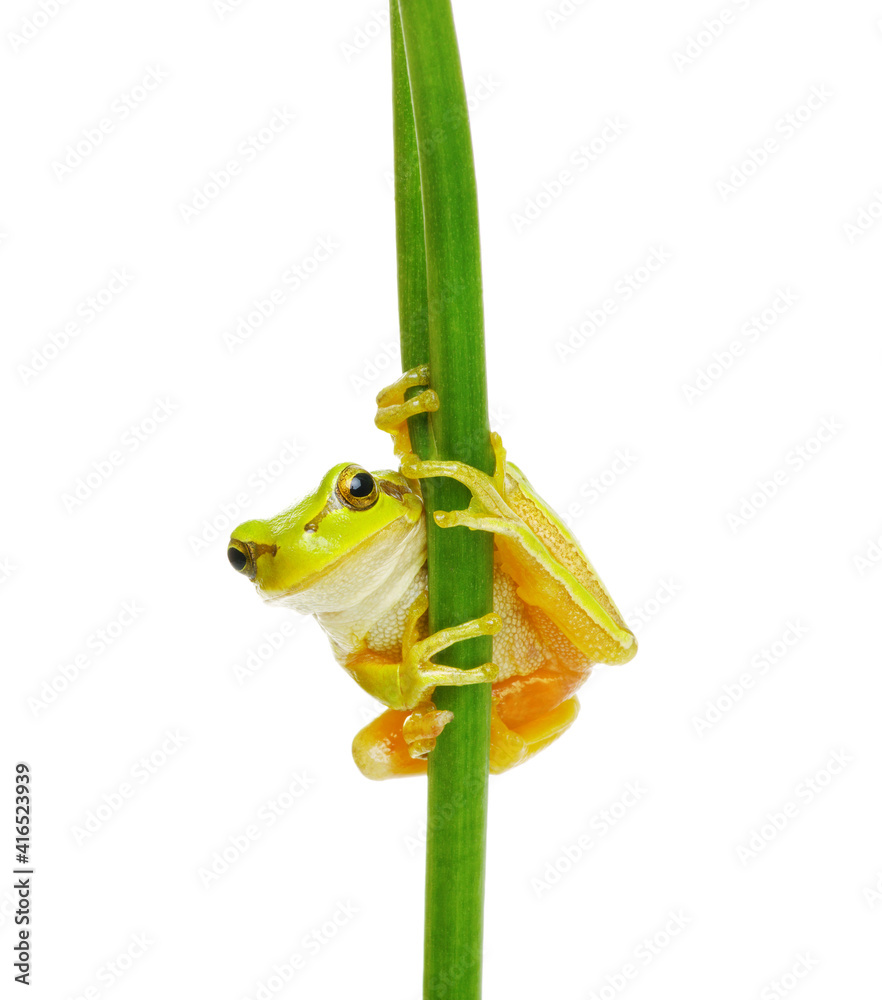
(574, 611)
(380, 751)
(512, 746)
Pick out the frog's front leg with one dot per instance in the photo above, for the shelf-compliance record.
(546, 578)
(390, 745)
(393, 409)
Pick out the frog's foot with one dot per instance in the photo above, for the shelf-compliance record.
(422, 727)
(380, 752)
(393, 409)
(488, 510)
(418, 675)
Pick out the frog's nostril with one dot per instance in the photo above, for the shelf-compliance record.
(238, 559)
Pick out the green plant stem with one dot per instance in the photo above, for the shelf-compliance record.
(441, 311)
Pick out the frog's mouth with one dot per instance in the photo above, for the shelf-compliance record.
(243, 556)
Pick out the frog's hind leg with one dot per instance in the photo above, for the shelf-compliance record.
(512, 746)
(381, 751)
(397, 743)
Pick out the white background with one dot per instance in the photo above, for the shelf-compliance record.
(707, 594)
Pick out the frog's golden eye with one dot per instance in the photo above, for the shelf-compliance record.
(356, 488)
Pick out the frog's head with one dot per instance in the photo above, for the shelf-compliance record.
(336, 545)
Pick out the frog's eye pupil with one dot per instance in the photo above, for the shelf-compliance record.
(237, 558)
(361, 485)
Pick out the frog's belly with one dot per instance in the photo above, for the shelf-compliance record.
(518, 648)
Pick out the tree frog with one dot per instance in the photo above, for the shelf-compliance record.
(353, 554)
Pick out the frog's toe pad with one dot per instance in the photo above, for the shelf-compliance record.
(421, 728)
